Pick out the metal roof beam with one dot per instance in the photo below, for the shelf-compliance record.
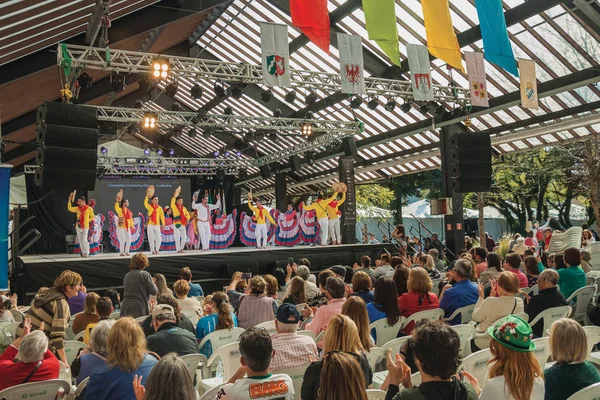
(587, 11)
(93, 27)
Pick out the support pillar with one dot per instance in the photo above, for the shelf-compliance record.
(348, 209)
(281, 198)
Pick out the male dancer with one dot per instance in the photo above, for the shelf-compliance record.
(261, 214)
(203, 210)
(181, 217)
(334, 213)
(124, 223)
(156, 219)
(85, 215)
(320, 208)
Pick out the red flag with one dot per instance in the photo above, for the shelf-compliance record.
(312, 17)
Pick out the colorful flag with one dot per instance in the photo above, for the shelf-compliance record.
(441, 38)
(529, 91)
(275, 54)
(312, 18)
(351, 63)
(420, 71)
(496, 44)
(477, 79)
(380, 17)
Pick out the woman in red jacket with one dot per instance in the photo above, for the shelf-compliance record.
(419, 296)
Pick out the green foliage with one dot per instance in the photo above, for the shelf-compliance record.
(426, 184)
(374, 195)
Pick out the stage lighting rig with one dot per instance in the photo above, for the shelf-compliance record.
(311, 98)
(309, 158)
(196, 91)
(117, 82)
(237, 91)
(355, 102)
(309, 115)
(85, 80)
(307, 129)
(171, 89)
(103, 150)
(405, 107)
(390, 105)
(290, 96)
(160, 68)
(192, 133)
(219, 88)
(150, 121)
(228, 111)
(171, 152)
(424, 108)
(176, 106)
(146, 151)
(266, 95)
(278, 113)
(144, 84)
(159, 152)
(373, 103)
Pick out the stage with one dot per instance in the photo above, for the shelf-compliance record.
(211, 269)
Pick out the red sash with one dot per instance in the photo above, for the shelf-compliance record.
(153, 215)
(333, 204)
(82, 212)
(127, 215)
(260, 209)
(181, 215)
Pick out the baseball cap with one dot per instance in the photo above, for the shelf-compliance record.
(285, 312)
(162, 309)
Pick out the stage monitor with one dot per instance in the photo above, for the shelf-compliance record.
(134, 190)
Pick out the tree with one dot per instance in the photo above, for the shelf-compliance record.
(426, 184)
(374, 195)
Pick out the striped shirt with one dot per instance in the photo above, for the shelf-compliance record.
(207, 325)
(254, 310)
(292, 350)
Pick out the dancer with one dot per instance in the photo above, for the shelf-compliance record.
(85, 215)
(167, 235)
(261, 214)
(193, 238)
(124, 224)
(156, 219)
(204, 218)
(181, 217)
(334, 214)
(320, 207)
(288, 231)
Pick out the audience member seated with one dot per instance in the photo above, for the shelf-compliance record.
(272, 290)
(303, 272)
(361, 286)
(296, 294)
(256, 350)
(169, 379)
(426, 262)
(341, 378)
(586, 257)
(341, 336)
(571, 371)
(481, 265)
(89, 314)
(439, 264)
(572, 277)
(255, 308)
(336, 291)
(419, 296)
(182, 321)
(52, 309)
(115, 298)
(356, 310)
(195, 288)
(6, 316)
(127, 357)
(520, 247)
(401, 279)
(559, 261)
(104, 309)
(137, 288)
(365, 266)
(530, 265)
(36, 362)
(384, 266)
(436, 348)
(549, 296)
(77, 302)
(93, 358)
(189, 306)
(321, 299)
(385, 304)
(493, 270)
(219, 315)
(512, 263)
(462, 293)
(161, 284)
(502, 301)
(290, 349)
(514, 372)
(169, 338)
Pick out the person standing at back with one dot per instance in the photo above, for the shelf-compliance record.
(137, 288)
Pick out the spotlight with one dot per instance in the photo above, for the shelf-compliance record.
(159, 152)
(237, 91)
(355, 102)
(311, 98)
(309, 158)
(117, 82)
(171, 152)
(147, 152)
(405, 107)
(138, 104)
(103, 150)
(196, 91)
(290, 96)
(228, 111)
(238, 153)
(278, 113)
(171, 89)
(160, 69)
(192, 132)
(176, 106)
(134, 129)
(439, 110)
(242, 174)
(390, 105)
(307, 129)
(216, 153)
(85, 81)
(309, 115)
(144, 84)
(424, 109)
(373, 103)
(219, 88)
(150, 121)
(273, 136)
(266, 95)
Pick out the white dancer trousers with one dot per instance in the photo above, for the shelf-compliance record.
(334, 230)
(154, 237)
(204, 232)
(82, 238)
(324, 224)
(261, 235)
(180, 237)
(124, 236)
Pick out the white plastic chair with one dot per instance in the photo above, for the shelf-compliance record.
(64, 372)
(590, 392)
(79, 390)
(569, 238)
(18, 316)
(523, 316)
(592, 334)
(477, 365)
(212, 393)
(308, 333)
(43, 390)
(385, 332)
(375, 394)
(71, 349)
(466, 333)
(69, 331)
(9, 331)
(80, 335)
(583, 296)
(192, 361)
(297, 375)
(542, 351)
(374, 356)
(320, 337)
(466, 314)
(230, 359)
(221, 337)
(141, 319)
(594, 248)
(269, 326)
(395, 345)
(550, 315)
(433, 315)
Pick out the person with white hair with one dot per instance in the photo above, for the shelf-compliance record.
(93, 359)
(302, 271)
(36, 363)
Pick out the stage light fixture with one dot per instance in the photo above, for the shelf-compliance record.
(176, 106)
(171, 89)
(159, 152)
(171, 152)
(309, 115)
(237, 91)
(150, 121)
(355, 102)
(390, 105)
(238, 153)
(273, 137)
(227, 153)
(228, 111)
(278, 113)
(405, 107)
(138, 104)
(242, 174)
(309, 158)
(117, 82)
(290, 96)
(219, 88)
(457, 112)
(144, 84)
(133, 129)
(439, 110)
(266, 95)
(311, 98)
(192, 133)
(307, 129)
(216, 153)
(130, 160)
(373, 103)
(147, 152)
(85, 80)
(160, 69)
(196, 91)
(103, 150)
(424, 109)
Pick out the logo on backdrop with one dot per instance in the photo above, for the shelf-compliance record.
(530, 91)
(423, 82)
(276, 65)
(352, 74)
(479, 89)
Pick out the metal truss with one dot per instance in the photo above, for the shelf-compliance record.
(170, 166)
(123, 61)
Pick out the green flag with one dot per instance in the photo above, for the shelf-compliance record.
(380, 16)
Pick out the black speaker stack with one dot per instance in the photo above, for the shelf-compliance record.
(67, 136)
(471, 162)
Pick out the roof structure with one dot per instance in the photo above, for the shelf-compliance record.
(562, 36)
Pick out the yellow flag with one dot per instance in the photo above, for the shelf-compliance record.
(441, 38)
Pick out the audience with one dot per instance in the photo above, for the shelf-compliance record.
(572, 277)
(586, 256)
(365, 266)
(530, 265)
(182, 321)
(219, 315)
(290, 349)
(512, 263)
(189, 306)
(341, 378)
(384, 265)
(255, 307)
(361, 286)
(169, 379)
(6, 316)
(89, 314)
(77, 302)
(571, 371)
(296, 294)
(115, 298)
(462, 293)
(481, 265)
(321, 299)
(435, 255)
(169, 338)
(195, 288)
(419, 296)
(303, 272)
(549, 296)
(426, 262)
(127, 357)
(336, 291)
(104, 309)
(161, 284)
(400, 278)
(356, 310)
(385, 305)
(93, 359)
(272, 290)
(559, 261)
(137, 288)
(494, 268)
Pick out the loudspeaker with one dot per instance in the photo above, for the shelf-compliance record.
(349, 146)
(295, 163)
(65, 158)
(471, 163)
(66, 114)
(265, 171)
(67, 136)
(348, 220)
(67, 179)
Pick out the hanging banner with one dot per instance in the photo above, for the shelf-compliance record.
(441, 38)
(4, 212)
(312, 17)
(380, 17)
(275, 54)
(477, 79)
(529, 91)
(351, 63)
(420, 72)
(496, 44)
